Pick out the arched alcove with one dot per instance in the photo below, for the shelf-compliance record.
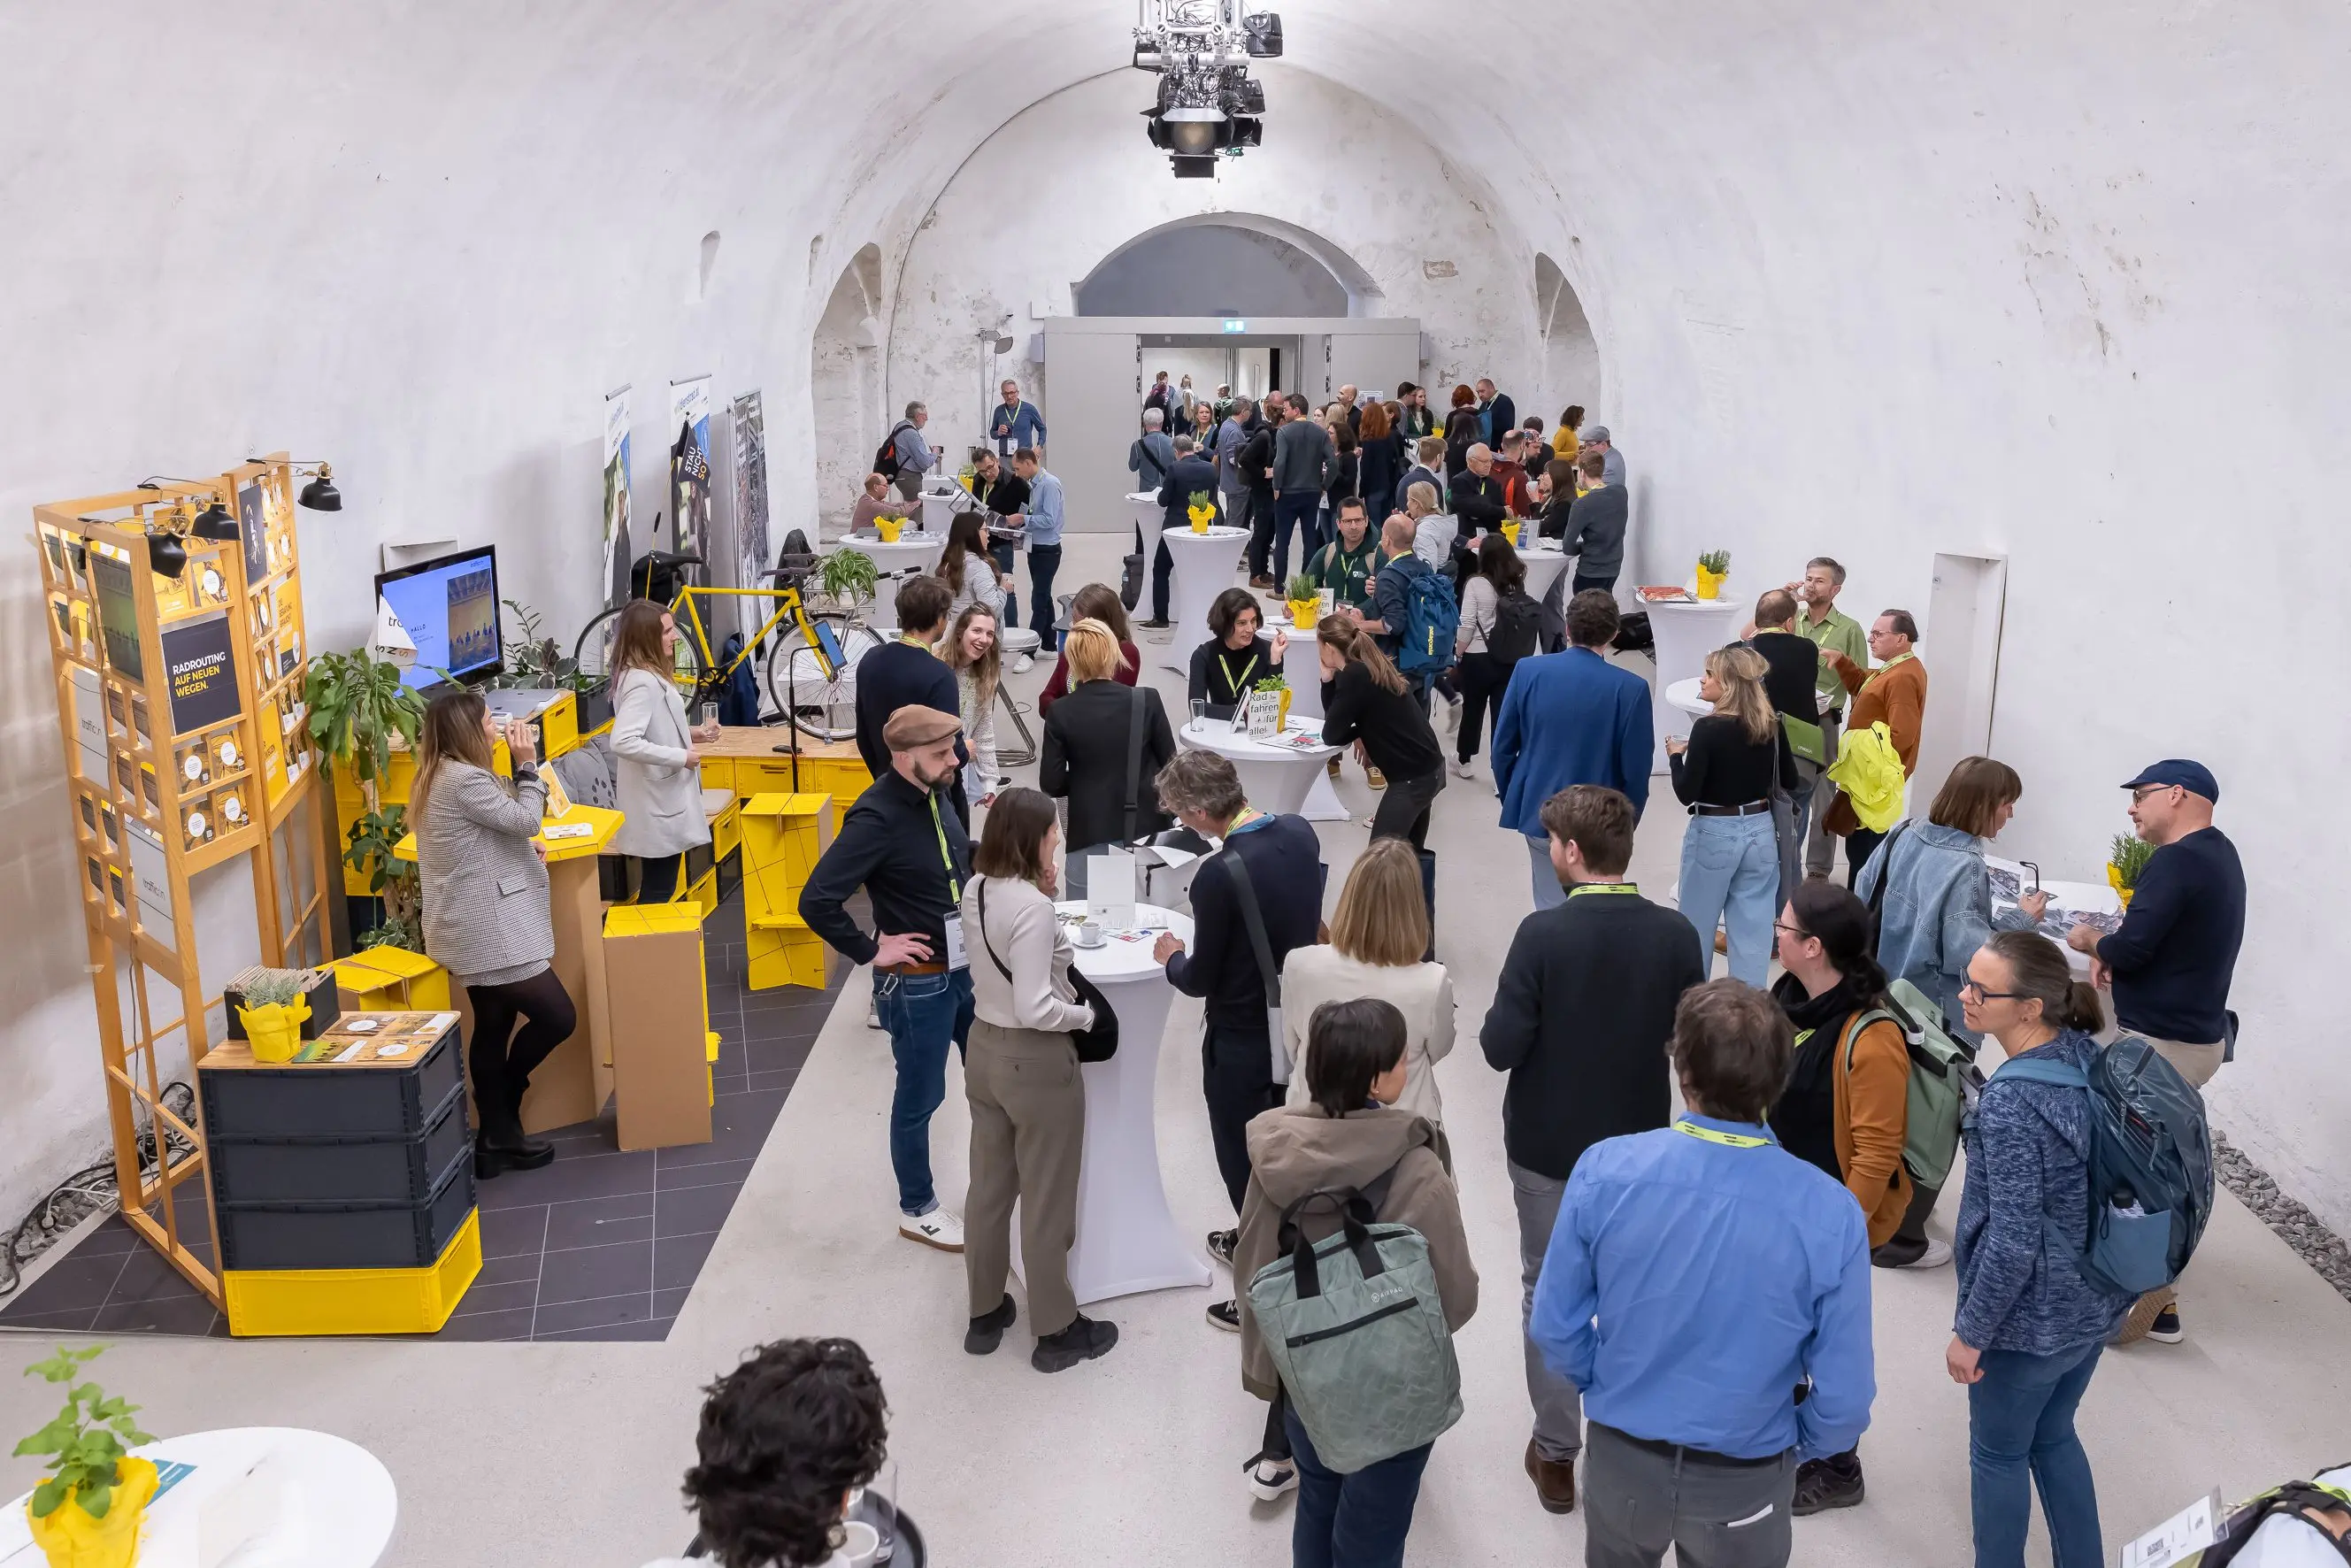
(1226, 263)
(845, 385)
(1571, 355)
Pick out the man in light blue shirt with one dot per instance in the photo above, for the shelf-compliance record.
(914, 454)
(1043, 544)
(1708, 1292)
(1015, 423)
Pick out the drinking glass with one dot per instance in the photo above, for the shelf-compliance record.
(1199, 709)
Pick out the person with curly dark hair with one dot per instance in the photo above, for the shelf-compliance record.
(786, 1437)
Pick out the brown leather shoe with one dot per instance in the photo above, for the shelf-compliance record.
(1721, 942)
(1260, 581)
(1554, 1480)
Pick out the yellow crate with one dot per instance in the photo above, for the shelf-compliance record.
(390, 980)
(710, 1050)
(727, 831)
(705, 893)
(842, 777)
(718, 773)
(354, 1301)
(558, 726)
(786, 957)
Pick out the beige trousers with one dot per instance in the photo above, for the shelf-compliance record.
(1027, 1137)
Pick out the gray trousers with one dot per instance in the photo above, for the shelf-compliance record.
(1638, 1503)
(1028, 1135)
(1559, 1408)
(1820, 848)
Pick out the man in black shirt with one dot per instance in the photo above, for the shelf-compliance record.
(1192, 475)
(1284, 865)
(1004, 496)
(1477, 506)
(1257, 472)
(912, 859)
(1792, 680)
(906, 670)
(1580, 1020)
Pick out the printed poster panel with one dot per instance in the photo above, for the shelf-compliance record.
(203, 672)
(616, 498)
(751, 490)
(118, 615)
(253, 524)
(689, 463)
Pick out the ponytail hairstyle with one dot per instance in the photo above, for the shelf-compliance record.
(1840, 923)
(2038, 972)
(1739, 669)
(1353, 642)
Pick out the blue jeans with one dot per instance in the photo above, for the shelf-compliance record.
(1002, 554)
(923, 1014)
(1301, 508)
(1731, 877)
(1044, 561)
(1356, 1521)
(1549, 894)
(2020, 1419)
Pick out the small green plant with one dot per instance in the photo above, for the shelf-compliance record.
(368, 846)
(1716, 561)
(534, 663)
(847, 575)
(1303, 587)
(84, 1443)
(1273, 684)
(273, 987)
(2129, 858)
(358, 704)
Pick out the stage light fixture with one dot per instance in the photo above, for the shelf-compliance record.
(1208, 103)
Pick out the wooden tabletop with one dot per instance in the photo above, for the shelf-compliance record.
(756, 742)
(398, 1041)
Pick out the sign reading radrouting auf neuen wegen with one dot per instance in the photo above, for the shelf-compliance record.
(203, 672)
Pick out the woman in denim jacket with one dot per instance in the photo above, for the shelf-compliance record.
(2030, 1324)
(1937, 894)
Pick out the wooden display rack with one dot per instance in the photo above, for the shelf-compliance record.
(180, 703)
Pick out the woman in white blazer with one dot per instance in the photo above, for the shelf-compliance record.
(1378, 937)
(656, 754)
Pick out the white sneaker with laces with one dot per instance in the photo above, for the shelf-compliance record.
(937, 1228)
(1021, 668)
(1269, 1477)
(1938, 1255)
(1452, 715)
(1463, 770)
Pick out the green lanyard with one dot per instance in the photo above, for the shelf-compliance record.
(1240, 686)
(954, 886)
(1580, 888)
(1728, 1140)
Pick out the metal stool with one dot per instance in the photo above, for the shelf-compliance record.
(1017, 641)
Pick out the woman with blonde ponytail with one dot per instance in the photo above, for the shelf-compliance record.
(1092, 736)
(1724, 773)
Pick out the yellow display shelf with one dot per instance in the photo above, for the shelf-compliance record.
(783, 838)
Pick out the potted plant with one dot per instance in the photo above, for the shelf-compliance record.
(848, 577)
(273, 1011)
(359, 708)
(1270, 694)
(87, 1512)
(1202, 511)
(1712, 568)
(263, 987)
(2125, 864)
(1305, 602)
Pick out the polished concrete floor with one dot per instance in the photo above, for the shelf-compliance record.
(569, 1454)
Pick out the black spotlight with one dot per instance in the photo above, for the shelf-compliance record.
(1264, 36)
(320, 495)
(1190, 167)
(166, 553)
(216, 523)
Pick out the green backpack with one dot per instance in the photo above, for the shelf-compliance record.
(1355, 1328)
(1944, 1082)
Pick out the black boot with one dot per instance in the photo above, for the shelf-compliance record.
(501, 1144)
(987, 1330)
(1083, 1340)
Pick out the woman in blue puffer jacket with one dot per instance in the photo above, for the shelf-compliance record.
(1937, 901)
(2030, 1324)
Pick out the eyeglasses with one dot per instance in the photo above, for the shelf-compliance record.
(1970, 988)
(1798, 932)
(2144, 790)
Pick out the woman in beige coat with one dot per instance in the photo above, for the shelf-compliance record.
(656, 755)
(1028, 1098)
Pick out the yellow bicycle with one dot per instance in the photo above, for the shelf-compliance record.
(812, 657)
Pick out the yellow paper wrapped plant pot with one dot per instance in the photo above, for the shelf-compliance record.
(273, 1013)
(1202, 511)
(1305, 603)
(87, 1512)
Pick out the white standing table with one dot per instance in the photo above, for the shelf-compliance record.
(313, 1501)
(1685, 706)
(1204, 565)
(1684, 635)
(1302, 664)
(1127, 1237)
(1544, 567)
(915, 551)
(938, 511)
(1275, 776)
(1149, 517)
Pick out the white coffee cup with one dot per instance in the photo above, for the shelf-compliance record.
(859, 1543)
(1090, 934)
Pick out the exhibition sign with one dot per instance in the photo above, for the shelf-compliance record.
(616, 497)
(689, 463)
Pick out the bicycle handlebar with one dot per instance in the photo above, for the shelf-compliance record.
(665, 558)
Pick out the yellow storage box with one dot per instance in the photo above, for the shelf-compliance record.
(266, 1301)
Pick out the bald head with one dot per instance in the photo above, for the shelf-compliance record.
(1775, 609)
(1395, 534)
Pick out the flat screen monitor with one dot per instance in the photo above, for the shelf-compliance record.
(449, 608)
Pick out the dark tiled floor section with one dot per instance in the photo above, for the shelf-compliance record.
(601, 1245)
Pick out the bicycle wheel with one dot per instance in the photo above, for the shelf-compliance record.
(593, 654)
(818, 708)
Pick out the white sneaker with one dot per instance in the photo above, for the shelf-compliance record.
(1268, 1477)
(1938, 1255)
(937, 1228)
(1463, 770)
(1453, 715)
(1021, 668)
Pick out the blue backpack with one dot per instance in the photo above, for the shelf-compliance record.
(1431, 621)
(2150, 1164)
(738, 699)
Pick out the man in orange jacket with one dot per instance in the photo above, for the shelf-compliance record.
(1895, 693)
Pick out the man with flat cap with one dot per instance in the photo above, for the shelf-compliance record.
(2171, 962)
(903, 845)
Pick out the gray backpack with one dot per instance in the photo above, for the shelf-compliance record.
(1357, 1332)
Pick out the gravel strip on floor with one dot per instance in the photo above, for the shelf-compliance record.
(2300, 1229)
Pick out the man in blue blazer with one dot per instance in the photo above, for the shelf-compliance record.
(1571, 718)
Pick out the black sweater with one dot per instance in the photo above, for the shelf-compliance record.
(1285, 860)
(899, 674)
(1219, 671)
(1085, 756)
(2177, 950)
(1723, 767)
(1579, 1020)
(888, 846)
(1793, 671)
(1394, 728)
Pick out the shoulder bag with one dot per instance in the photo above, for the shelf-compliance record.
(1099, 1043)
(1254, 918)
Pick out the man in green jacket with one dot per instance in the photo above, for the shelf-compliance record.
(1828, 629)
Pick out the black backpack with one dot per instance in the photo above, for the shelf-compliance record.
(1518, 625)
(2293, 1496)
(885, 461)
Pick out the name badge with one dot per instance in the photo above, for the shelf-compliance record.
(956, 957)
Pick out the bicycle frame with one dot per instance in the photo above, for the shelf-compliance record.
(789, 607)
